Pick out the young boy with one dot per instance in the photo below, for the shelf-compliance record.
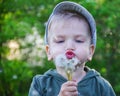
(70, 39)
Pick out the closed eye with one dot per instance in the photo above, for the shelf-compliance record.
(60, 41)
(79, 41)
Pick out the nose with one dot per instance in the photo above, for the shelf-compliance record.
(70, 45)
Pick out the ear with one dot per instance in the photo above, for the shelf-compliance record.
(91, 52)
(48, 52)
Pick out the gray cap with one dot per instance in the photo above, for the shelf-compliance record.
(74, 7)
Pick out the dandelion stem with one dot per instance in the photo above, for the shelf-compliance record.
(69, 74)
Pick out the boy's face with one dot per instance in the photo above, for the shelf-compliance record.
(70, 35)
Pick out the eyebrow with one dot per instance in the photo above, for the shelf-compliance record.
(79, 35)
(59, 36)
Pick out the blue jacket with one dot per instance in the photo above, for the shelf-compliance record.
(49, 84)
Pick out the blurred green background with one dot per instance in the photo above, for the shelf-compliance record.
(22, 27)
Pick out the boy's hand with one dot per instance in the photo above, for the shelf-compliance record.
(69, 88)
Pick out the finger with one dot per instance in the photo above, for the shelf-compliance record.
(71, 88)
(73, 93)
(71, 83)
